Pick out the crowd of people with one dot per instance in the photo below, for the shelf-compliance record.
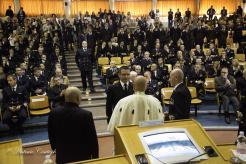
(33, 63)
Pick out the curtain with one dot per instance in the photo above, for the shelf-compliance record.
(31, 7)
(37, 7)
(53, 7)
(230, 5)
(4, 5)
(165, 5)
(136, 7)
(88, 5)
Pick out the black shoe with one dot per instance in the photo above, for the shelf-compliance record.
(227, 118)
(93, 91)
(84, 89)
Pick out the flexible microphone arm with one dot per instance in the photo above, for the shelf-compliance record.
(190, 160)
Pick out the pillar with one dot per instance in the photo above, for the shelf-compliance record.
(197, 8)
(67, 8)
(154, 5)
(111, 5)
(244, 6)
(16, 6)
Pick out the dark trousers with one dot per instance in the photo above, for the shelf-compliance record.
(8, 118)
(226, 101)
(87, 74)
(170, 23)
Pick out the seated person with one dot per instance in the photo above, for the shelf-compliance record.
(152, 86)
(196, 78)
(241, 86)
(213, 69)
(112, 73)
(63, 79)
(21, 78)
(229, 52)
(225, 85)
(15, 100)
(199, 52)
(138, 69)
(122, 49)
(37, 84)
(214, 52)
(224, 61)
(146, 61)
(133, 75)
(236, 70)
(56, 92)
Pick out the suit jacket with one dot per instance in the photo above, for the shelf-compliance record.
(13, 98)
(72, 134)
(83, 59)
(54, 94)
(114, 94)
(34, 84)
(180, 102)
(222, 89)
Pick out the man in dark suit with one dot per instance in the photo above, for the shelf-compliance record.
(83, 60)
(71, 130)
(112, 73)
(223, 12)
(210, 13)
(188, 13)
(225, 86)
(181, 97)
(9, 12)
(170, 18)
(37, 84)
(22, 79)
(118, 91)
(196, 78)
(152, 86)
(15, 100)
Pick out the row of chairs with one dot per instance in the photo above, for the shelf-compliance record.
(103, 63)
(209, 87)
(38, 105)
(167, 93)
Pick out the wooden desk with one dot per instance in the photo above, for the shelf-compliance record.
(11, 152)
(225, 150)
(120, 159)
(128, 142)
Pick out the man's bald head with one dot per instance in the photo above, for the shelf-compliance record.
(140, 84)
(176, 76)
(73, 95)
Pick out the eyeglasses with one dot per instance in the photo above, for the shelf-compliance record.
(224, 72)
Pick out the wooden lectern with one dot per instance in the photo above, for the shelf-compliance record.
(128, 142)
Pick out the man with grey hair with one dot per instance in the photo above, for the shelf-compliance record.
(72, 131)
(225, 85)
(136, 107)
(133, 75)
(181, 98)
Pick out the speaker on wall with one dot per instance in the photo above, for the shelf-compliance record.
(65, 3)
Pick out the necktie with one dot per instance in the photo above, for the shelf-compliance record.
(125, 87)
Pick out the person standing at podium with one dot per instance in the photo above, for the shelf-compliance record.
(181, 98)
(136, 107)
